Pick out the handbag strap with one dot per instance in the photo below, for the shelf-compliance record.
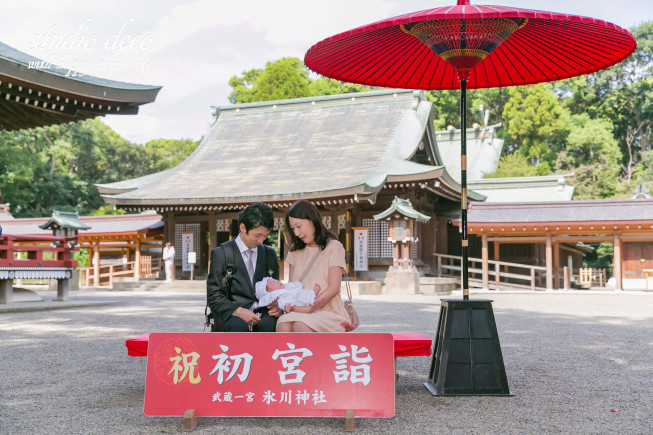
(347, 286)
(308, 268)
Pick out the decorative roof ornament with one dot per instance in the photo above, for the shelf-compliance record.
(641, 192)
(403, 207)
(64, 220)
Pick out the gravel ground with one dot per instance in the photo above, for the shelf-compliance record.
(576, 363)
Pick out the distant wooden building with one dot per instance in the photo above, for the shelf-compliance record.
(110, 240)
(349, 154)
(547, 233)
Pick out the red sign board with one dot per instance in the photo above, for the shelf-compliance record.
(281, 374)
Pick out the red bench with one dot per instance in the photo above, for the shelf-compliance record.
(405, 345)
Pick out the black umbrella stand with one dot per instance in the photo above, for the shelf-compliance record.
(467, 357)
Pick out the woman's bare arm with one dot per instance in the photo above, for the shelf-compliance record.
(291, 272)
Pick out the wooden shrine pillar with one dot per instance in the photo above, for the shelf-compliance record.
(96, 262)
(556, 264)
(549, 263)
(137, 257)
(616, 266)
(484, 258)
(170, 230)
(497, 277)
(213, 239)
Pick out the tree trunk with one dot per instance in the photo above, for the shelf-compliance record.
(53, 161)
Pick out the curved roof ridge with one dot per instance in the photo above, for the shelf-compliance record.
(18, 57)
(351, 96)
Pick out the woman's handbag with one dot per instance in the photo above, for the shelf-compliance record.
(354, 321)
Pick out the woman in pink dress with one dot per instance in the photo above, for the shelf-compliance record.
(317, 249)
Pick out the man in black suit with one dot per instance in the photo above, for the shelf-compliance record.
(250, 257)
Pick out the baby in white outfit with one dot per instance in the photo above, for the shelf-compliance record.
(270, 289)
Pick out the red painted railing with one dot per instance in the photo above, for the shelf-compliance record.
(13, 249)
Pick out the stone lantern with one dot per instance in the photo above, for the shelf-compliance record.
(65, 224)
(402, 276)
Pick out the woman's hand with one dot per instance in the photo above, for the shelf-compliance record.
(274, 310)
(332, 289)
(307, 310)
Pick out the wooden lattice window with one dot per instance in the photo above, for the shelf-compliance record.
(179, 228)
(377, 244)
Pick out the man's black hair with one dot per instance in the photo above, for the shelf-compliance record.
(255, 215)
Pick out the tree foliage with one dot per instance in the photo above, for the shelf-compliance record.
(446, 106)
(57, 167)
(534, 117)
(591, 152)
(162, 154)
(513, 165)
(598, 127)
(285, 78)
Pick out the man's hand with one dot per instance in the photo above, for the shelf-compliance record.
(247, 316)
(274, 310)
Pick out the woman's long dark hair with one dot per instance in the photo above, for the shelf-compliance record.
(303, 209)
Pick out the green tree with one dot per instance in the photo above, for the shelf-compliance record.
(327, 86)
(281, 79)
(534, 119)
(592, 153)
(164, 154)
(600, 257)
(513, 165)
(446, 106)
(631, 110)
(623, 94)
(285, 78)
(107, 210)
(56, 167)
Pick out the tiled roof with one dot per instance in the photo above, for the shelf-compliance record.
(603, 210)
(321, 146)
(403, 207)
(524, 189)
(17, 57)
(128, 223)
(483, 151)
(35, 93)
(64, 219)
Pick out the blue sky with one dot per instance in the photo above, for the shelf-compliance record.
(193, 47)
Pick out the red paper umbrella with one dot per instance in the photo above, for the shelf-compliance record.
(488, 46)
(470, 46)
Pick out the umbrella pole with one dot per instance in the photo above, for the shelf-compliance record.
(463, 186)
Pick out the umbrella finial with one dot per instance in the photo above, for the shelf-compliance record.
(463, 2)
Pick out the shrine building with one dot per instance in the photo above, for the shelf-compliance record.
(349, 154)
(352, 155)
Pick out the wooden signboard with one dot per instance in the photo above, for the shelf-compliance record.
(282, 374)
